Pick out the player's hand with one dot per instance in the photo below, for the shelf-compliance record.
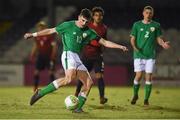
(28, 35)
(124, 48)
(136, 49)
(166, 45)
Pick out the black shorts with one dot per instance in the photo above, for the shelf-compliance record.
(43, 62)
(96, 64)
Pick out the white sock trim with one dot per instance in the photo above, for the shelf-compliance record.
(82, 94)
(136, 82)
(148, 83)
(55, 84)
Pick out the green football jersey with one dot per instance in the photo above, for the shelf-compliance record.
(146, 39)
(73, 37)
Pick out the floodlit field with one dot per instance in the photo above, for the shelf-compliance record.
(164, 103)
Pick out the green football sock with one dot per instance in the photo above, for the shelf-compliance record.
(148, 88)
(48, 89)
(82, 100)
(136, 89)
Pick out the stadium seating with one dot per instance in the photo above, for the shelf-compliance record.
(14, 48)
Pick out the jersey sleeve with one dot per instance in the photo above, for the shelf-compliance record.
(158, 31)
(61, 28)
(134, 30)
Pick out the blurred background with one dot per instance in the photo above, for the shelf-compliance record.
(20, 16)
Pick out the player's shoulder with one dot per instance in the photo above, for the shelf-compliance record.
(155, 23)
(138, 22)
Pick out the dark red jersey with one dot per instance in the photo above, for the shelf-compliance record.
(45, 44)
(93, 50)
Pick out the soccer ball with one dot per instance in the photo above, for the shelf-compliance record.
(71, 102)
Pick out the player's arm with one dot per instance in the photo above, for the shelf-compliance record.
(133, 43)
(110, 44)
(162, 43)
(44, 32)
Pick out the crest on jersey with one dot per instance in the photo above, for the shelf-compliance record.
(84, 35)
(141, 29)
(152, 29)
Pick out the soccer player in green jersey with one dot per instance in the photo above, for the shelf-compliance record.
(75, 35)
(145, 35)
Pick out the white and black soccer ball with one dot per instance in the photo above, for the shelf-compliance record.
(71, 102)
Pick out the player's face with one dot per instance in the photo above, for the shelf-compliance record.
(82, 21)
(97, 17)
(148, 14)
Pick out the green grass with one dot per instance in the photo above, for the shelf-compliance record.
(164, 103)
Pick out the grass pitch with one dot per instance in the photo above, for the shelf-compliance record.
(164, 103)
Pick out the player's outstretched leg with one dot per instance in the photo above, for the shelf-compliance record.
(136, 87)
(42, 92)
(54, 86)
(87, 83)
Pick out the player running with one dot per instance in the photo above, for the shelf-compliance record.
(92, 56)
(44, 54)
(145, 35)
(75, 34)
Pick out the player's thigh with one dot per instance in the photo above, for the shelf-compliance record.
(88, 63)
(150, 65)
(71, 74)
(71, 60)
(139, 65)
(40, 63)
(85, 78)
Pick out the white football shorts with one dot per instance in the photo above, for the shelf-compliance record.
(71, 60)
(146, 65)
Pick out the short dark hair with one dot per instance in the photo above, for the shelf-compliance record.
(97, 9)
(86, 13)
(149, 8)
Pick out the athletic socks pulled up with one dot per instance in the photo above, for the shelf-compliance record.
(48, 89)
(148, 88)
(136, 87)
